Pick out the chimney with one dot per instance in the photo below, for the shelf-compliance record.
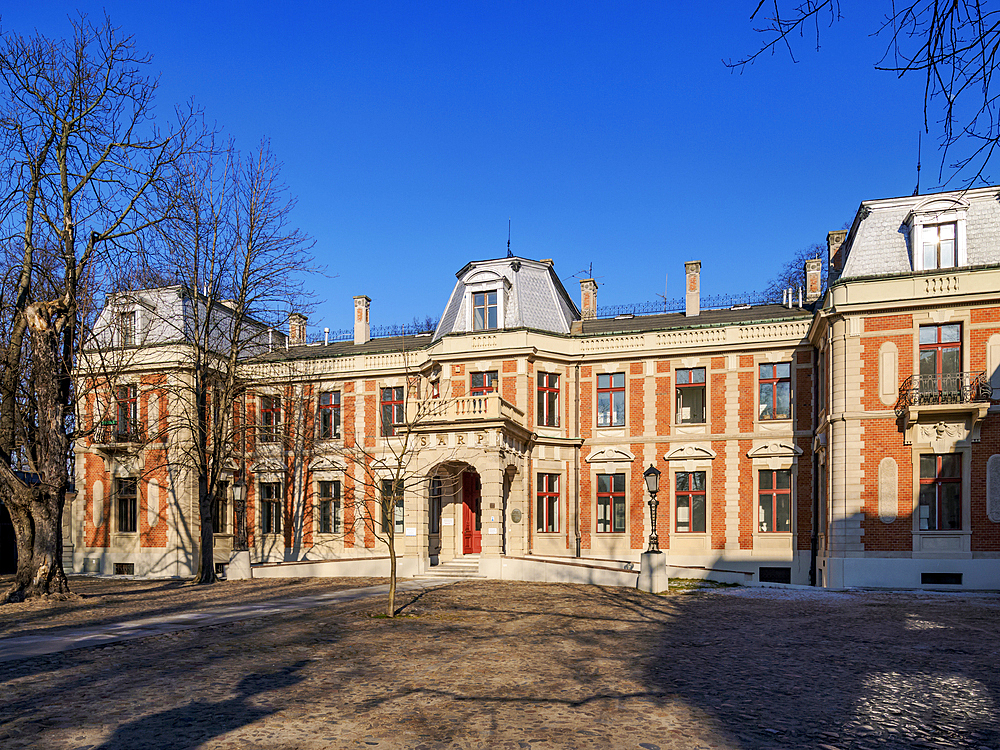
(588, 298)
(814, 279)
(834, 240)
(692, 305)
(296, 329)
(362, 326)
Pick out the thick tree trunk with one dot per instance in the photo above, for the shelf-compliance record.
(38, 508)
(38, 529)
(206, 544)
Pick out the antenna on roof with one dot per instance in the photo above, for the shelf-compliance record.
(509, 253)
(916, 190)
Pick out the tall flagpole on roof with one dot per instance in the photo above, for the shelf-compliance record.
(509, 253)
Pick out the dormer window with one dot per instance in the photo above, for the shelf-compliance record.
(126, 328)
(937, 234)
(938, 245)
(484, 311)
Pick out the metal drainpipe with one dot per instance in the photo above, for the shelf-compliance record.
(814, 540)
(576, 463)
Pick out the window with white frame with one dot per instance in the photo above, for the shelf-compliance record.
(938, 247)
(126, 328)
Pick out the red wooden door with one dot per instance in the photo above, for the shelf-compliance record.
(472, 524)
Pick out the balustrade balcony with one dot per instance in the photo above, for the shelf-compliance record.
(119, 433)
(462, 409)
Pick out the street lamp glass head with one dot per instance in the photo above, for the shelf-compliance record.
(239, 491)
(652, 477)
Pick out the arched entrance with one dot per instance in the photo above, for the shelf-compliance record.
(472, 513)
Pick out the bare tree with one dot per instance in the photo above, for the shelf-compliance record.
(385, 462)
(83, 156)
(793, 275)
(951, 45)
(241, 266)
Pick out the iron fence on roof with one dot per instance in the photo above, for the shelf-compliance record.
(678, 304)
(377, 332)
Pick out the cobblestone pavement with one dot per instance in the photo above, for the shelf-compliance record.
(488, 664)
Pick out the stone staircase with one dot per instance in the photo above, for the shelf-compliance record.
(459, 567)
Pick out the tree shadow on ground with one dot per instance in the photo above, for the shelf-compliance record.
(787, 669)
(194, 723)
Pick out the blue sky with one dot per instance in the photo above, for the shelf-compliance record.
(608, 133)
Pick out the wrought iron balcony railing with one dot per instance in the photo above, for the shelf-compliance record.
(113, 432)
(944, 389)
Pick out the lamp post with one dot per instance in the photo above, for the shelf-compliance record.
(240, 508)
(652, 477)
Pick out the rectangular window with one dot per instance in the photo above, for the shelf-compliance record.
(941, 492)
(941, 363)
(128, 501)
(126, 328)
(611, 400)
(548, 399)
(548, 503)
(126, 413)
(938, 242)
(329, 507)
(329, 415)
(270, 419)
(775, 500)
(481, 383)
(392, 410)
(611, 503)
(434, 511)
(484, 311)
(691, 396)
(220, 503)
(270, 507)
(392, 505)
(690, 500)
(776, 391)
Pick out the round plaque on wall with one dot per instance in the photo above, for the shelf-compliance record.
(515, 515)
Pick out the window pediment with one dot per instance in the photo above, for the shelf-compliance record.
(611, 454)
(268, 466)
(327, 464)
(777, 449)
(690, 452)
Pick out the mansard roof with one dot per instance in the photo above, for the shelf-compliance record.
(879, 242)
(530, 295)
(707, 318)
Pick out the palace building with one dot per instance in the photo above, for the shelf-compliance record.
(847, 437)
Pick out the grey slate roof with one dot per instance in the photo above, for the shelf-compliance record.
(533, 296)
(668, 321)
(346, 348)
(879, 241)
